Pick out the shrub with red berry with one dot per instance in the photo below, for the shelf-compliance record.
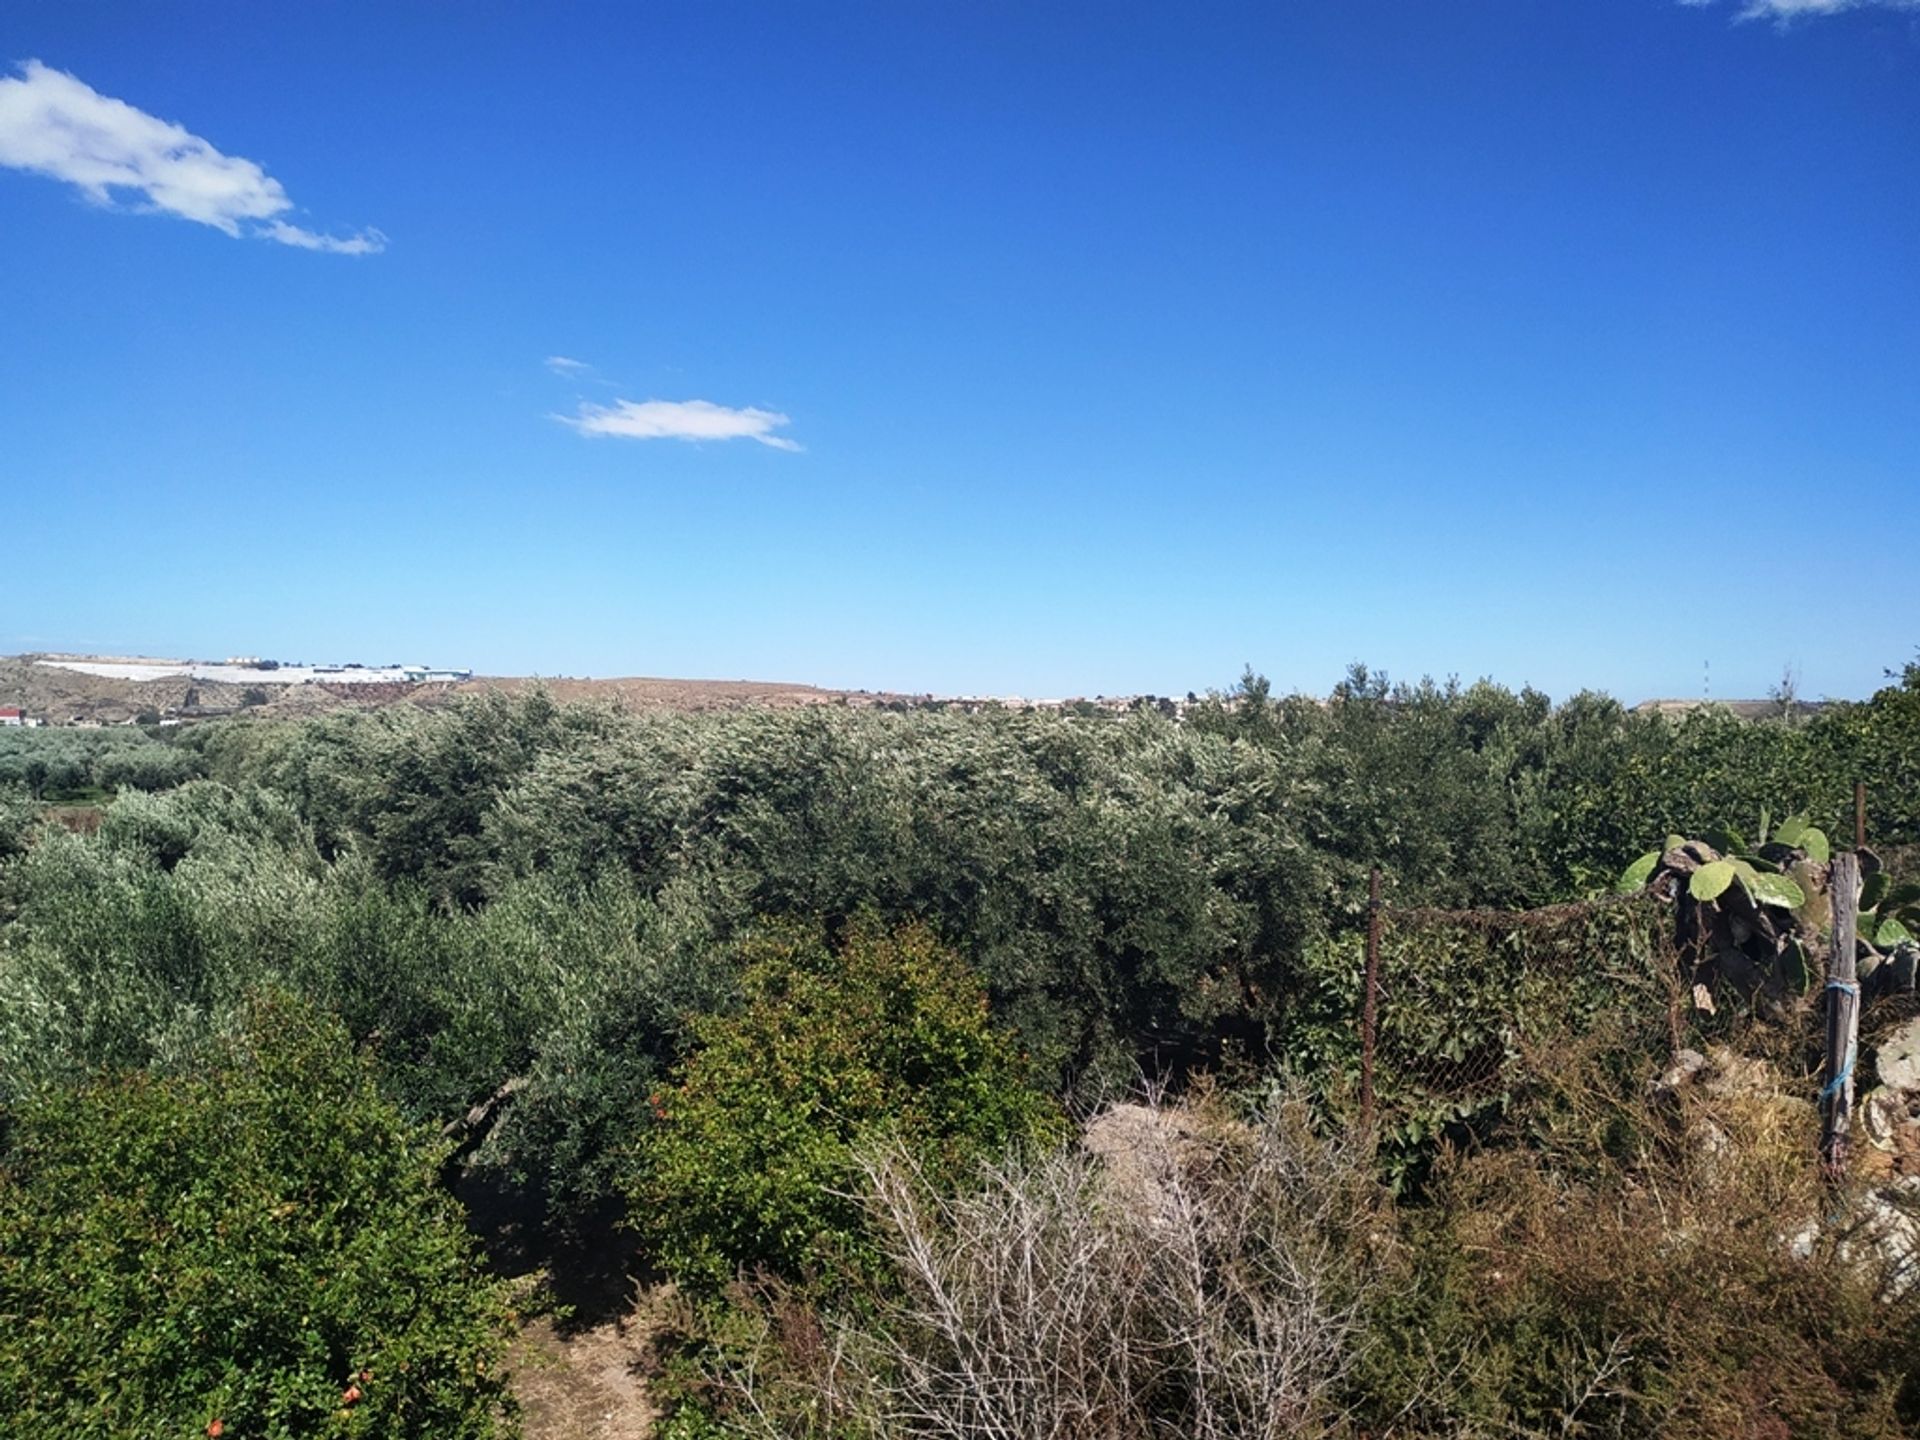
(255, 1249)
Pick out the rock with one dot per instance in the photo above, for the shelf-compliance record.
(1864, 970)
(1898, 1058)
(1902, 967)
(1890, 974)
(1885, 1236)
(1711, 1144)
(1686, 1064)
(1739, 1076)
(1877, 1233)
(1883, 1113)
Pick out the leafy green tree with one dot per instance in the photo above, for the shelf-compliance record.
(257, 1249)
(750, 1161)
(628, 980)
(145, 767)
(17, 815)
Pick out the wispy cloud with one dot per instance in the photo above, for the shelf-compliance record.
(567, 365)
(53, 124)
(367, 242)
(1785, 11)
(680, 420)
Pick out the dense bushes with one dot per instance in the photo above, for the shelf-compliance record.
(17, 816)
(1122, 888)
(111, 961)
(632, 979)
(255, 1249)
(1206, 1275)
(131, 947)
(509, 888)
(693, 958)
(59, 764)
(1636, 1259)
(1477, 795)
(134, 947)
(1657, 1259)
(750, 1163)
(1135, 892)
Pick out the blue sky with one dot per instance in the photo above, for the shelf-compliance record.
(1042, 349)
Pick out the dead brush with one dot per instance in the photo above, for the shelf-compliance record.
(1624, 1262)
(1215, 1291)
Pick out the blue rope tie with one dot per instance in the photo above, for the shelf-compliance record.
(1846, 1071)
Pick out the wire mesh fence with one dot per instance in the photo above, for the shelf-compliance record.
(1470, 1007)
(1465, 1012)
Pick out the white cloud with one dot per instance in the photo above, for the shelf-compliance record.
(54, 124)
(567, 365)
(679, 420)
(368, 242)
(1788, 10)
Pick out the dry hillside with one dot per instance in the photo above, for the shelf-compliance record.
(63, 697)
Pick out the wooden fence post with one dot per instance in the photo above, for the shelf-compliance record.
(1370, 1000)
(1843, 1015)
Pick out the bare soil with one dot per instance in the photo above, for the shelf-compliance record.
(586, 1384)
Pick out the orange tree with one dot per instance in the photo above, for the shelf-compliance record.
(257, 1249)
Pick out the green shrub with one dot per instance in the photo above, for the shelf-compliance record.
(17, 816)
(627, 980)
(1121, 888)
(56, 763)
(145, 767)
(204, 817)
(260, 1244)
(751, 1161)
(105, 965)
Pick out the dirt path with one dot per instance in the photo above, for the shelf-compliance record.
(586, 1384)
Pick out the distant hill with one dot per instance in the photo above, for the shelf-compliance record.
(48, 688)
(1745, 709)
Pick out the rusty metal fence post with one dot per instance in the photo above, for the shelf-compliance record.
(1370, 1000)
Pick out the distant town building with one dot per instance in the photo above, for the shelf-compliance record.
(388, 674)
(252, 670)
(12, 715)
